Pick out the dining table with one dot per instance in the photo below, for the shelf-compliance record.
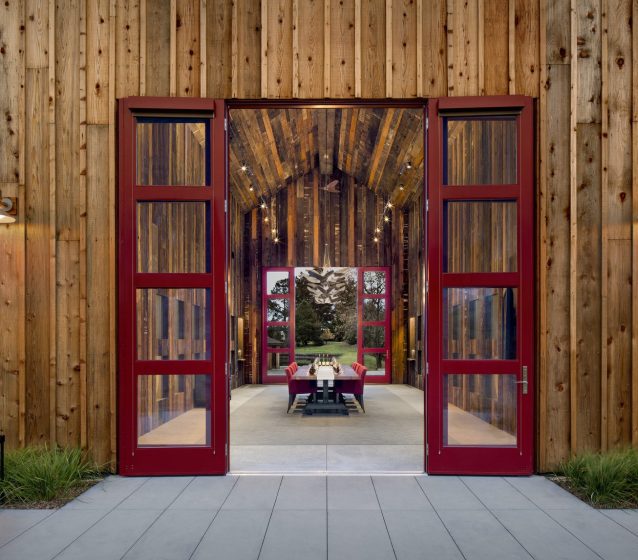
(324, 374)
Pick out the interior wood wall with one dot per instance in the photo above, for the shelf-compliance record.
(311, 225)
(64, 63)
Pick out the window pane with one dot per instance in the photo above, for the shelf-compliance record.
(173, 410)
(479, 323)
(480, 236)
(172, 153)
(373, 337)
(277, 282)
(173, 237)
(374, 282)
(173, 324)
(375, 362)
(479, 409)
(480, 151)
(277, 310)
(278, 337)
(277, 363)
(374, 309)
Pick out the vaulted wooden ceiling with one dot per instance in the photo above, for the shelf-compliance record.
(382, 148)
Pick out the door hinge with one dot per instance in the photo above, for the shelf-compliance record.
(226, 449)
(225, 205)
(427, 449)
(427, 122)
(427, 369)
(225, 286)
(427, 286)
(225, 124)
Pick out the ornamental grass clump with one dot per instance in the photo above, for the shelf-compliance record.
(42, 477)
(604, 479)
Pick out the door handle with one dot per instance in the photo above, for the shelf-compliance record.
(524, 381)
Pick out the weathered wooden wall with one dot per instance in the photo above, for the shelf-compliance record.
(64, 63)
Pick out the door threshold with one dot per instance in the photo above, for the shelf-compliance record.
(327, 473)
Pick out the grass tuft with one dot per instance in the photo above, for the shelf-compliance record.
(604, 479)
(42, 477)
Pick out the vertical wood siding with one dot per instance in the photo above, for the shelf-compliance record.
(64, 63)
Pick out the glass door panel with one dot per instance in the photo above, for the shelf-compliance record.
(173, 410)
(278, 332)
(374, 332)
(172, 305)
(480, 150)
(479, 410)
(173, 237)
(480, 298)
(480, 236)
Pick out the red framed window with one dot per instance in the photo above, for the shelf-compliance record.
(374, 326)
(278, 332)
(172, 307)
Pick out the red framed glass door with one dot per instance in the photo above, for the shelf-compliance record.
(172, 271)
(481, 293)
(278, 332)
(374, 333)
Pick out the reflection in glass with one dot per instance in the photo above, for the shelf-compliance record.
(277, 363)
(373, 337)
(173, 410)
(375, 362)
(480, 409)
(171, 153)
(374, 309)
(277, 310)
(277, 282)
(326, 314)
(278, 337)
(480, 151)
(173, 324)
(374, 282)
(173, 237)
(481, 236)
(479, 323)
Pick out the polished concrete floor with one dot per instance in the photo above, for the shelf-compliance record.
(321, 517)
(387, 438)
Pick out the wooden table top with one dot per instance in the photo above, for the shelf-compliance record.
(347, 374)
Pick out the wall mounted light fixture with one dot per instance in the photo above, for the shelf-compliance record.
(8, 210)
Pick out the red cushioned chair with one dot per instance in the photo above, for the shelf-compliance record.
(297, 386)
(355, 386)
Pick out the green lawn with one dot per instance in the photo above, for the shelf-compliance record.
(345, 353)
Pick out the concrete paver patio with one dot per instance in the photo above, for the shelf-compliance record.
(334, 517)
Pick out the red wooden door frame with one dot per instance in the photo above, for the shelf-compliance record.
(165, 460)
(442, 459)
(290, 323)
(386, 323)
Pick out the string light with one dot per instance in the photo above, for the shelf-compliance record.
(276, 239)
(244, 168)
(401, 187)
(376, 239)
(263, 205)
(386, 219)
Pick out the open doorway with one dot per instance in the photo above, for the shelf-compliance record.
(327, 194)
(327, 265)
